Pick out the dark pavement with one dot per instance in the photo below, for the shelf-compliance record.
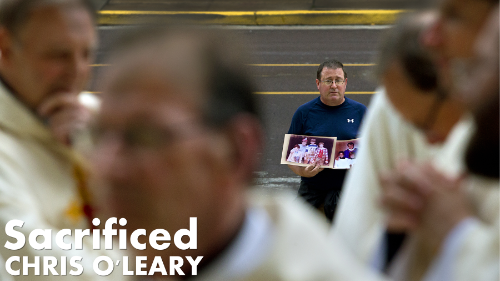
(284, 58)
(258, 5)
(297, 51)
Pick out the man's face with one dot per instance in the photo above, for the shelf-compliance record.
(313, 141)
(479, 90)
(332, 95)
(51, 53)
(161, 163)
(304, 142)
(453, 34)
(477, 78)
(351, 146)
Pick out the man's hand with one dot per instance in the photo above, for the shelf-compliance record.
(403, 197)
(307, 172)
(65, 116)
(420, 199)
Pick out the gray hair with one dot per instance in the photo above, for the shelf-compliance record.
(226, 80)
(15, 13)
(402, 43)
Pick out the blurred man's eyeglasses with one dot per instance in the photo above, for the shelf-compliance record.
(337, 82)
(145, 137)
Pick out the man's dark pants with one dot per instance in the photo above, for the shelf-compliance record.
(318, 197)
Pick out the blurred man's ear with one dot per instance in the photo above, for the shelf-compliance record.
(245, 136)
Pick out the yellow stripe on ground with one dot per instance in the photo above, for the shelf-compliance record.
(301, 17)
(231, 13)
(283, 64)
(286, 93)
(309, 93)
(310, 64)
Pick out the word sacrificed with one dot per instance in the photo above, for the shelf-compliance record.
(159, 239)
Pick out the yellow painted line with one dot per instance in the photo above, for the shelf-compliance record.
(296, 64)
(309, 12)
(153, 13)
(309, 93)
(300, 17)
(286, 93)
(247, 13)
(310, 64)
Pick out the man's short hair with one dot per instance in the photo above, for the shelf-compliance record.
(230, 85)
(349, 143)
(15, 13)
(332, 64)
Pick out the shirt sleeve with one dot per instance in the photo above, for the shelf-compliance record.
(297, 123)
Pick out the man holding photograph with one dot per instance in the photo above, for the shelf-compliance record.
(330, 115)
(153, 115)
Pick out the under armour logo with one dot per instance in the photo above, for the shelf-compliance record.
(350, 120)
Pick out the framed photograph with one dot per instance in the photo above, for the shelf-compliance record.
(345, 154)
(301, 150)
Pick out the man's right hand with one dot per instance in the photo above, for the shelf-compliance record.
(65, 116)
(307, 172)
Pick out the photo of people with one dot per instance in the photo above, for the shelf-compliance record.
(341, 162)
(345, 154)
(304, 150)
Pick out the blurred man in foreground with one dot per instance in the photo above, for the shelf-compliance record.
(46, 50)
(411, 96)
(178, 137)
(428, 113)
(452, 213)
(458, 214)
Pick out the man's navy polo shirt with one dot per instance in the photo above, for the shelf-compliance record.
(317, 119)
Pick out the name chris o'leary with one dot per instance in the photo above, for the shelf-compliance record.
(159, 239)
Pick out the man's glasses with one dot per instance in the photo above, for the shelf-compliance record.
(337, 82)
(146, 137)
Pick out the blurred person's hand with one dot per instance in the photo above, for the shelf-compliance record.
(65, 116)
(420, 199)
(307, 172)
(311, 170)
